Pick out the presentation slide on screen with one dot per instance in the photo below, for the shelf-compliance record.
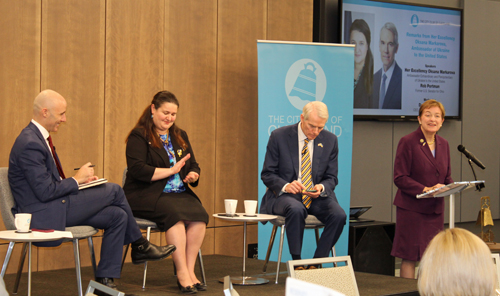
(422, 62)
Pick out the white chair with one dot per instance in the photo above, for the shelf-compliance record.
(79, 232)
(93, 285)
(340, 278)
(311, 223)
(149, 226)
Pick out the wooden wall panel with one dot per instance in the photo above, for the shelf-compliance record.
(208, 246)
(230, 239)
(73, 65)
(240, 24)
(109, 57)
(134, 72)
(49, 258)
(14, 258)
(190, 73)
(290, 20)
(20, 24)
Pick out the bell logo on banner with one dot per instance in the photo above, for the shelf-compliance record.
(305, 82)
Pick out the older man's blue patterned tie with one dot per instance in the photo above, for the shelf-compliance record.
(305, 171)
(382, 93)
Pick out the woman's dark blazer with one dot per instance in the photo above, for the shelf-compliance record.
(416, 168)
(142, 160)
(363, 100)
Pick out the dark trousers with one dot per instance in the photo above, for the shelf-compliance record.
(327, 210)
(105, 207)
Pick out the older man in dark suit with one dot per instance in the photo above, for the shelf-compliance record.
(39, 187)
(300, 172)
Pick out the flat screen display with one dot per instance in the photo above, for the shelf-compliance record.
(405, 55)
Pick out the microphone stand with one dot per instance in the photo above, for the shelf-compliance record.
(479, 186)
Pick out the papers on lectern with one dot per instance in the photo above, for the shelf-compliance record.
(449, 189)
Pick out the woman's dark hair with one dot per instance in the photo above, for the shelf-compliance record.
(361, 26)
(146, 124)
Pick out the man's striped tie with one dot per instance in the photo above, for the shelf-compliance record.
(305, 171)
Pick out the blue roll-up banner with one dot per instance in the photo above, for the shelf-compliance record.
(291, 74)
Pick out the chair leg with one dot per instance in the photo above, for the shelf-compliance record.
(20, 267)
(7, 258)
(92, 254)
(270, 247)
(316, 233)
(282, 238)
(148, 234)
(124, 256)
(76, 252)
(202, 268)
(334, 254)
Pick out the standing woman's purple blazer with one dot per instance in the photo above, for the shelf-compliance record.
(415, 168)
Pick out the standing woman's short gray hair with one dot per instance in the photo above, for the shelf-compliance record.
(319, 107)
(457, 262)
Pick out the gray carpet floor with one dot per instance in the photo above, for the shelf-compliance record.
(161, 280)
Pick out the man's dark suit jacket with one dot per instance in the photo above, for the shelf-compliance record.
(142, 160)
(281, 164)
(394, 90)
(36, 184)
(416, 168)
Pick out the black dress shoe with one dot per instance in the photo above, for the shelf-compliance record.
(187, 289)
(150, 252)
(200, 286)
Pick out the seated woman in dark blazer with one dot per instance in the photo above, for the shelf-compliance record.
(161, 169)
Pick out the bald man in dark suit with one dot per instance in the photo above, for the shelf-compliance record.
(39, 187)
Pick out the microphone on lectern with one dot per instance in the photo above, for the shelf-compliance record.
(470, 156)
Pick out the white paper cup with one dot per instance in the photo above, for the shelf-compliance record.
(230, 206)
(250, 207)
(23, 222)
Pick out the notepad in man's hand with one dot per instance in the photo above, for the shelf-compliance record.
(92, 184)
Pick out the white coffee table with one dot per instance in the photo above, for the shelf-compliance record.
(13, 236)
(246, 280)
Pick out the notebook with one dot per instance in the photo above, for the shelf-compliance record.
(92, 184)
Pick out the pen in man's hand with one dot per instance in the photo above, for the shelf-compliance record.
(90, 166)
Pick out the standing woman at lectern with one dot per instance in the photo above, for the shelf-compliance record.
(422, 163)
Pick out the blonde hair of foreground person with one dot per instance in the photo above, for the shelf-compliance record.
(457, 262)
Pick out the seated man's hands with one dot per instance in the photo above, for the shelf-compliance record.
(295, 187)
(85, 174)
(318, 189)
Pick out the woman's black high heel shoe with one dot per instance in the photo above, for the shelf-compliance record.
(187, 289)
(200, 286)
